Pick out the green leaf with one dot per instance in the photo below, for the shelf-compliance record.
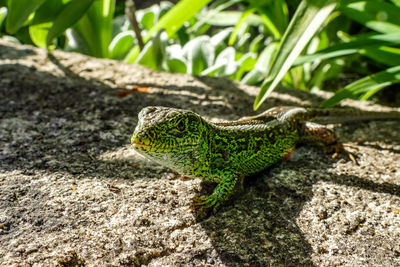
(175, 60)
(253, 77)
(309, 17)
(75, 42)
(152, 54)
(147, 20)
(396, 2)
(121, 44)
(200, 54)
(366, 86)
(3, 14)
(18, 13)
(351, 47)
(48, 11)
(176, 65)
(243, 41)
(269, 23)
(240, 25)
(218, 40)
(281, 15)
(42, 20)
(266, 58)
(245, 63)
(224, 64)
(231, 18)
(132, 54)
(38, 33)
(212, 11)
(326, 70)
(377, 15)
(68, 17)
(213, 70)
(171, 22)
(263, 64)
(384, 54)
(256, 43)
(95, 27)
(164, 7)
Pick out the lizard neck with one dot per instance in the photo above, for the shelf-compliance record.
(194, 162)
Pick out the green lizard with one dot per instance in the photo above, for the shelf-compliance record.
(227, 152)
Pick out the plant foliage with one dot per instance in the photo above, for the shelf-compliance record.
(308, 44)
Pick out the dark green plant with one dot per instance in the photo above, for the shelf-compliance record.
(295, 44)
(382, 47)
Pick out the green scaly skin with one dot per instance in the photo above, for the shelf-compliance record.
(225, 153)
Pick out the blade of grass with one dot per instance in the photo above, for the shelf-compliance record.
(239, 25)
(396, 2)
(351, 47)
(49, 11)
(173, 20)
(68, 17)
(309, 16)
(95, 27)
(389, 56)
(377, 15)
(210, 13)
(271, 26)
(281, 15)
(366, 86)
(3, 14)
(231, 18)
(18, 13)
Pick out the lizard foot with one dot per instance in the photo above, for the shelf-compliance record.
(185, 178)
(339, 148)
(222, 193)
(205, 203)
(176, 175)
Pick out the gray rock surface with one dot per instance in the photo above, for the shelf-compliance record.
(73, 191)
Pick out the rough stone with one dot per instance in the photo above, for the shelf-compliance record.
(73, 191)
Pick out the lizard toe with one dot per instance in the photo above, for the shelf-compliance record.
(338, 148)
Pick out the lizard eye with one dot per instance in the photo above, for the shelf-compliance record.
(181, 125)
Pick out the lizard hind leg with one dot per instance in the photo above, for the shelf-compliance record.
(319, 135)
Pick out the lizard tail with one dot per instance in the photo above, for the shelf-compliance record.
(347, 115)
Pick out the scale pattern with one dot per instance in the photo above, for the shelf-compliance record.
(216, 152)
(227, 152)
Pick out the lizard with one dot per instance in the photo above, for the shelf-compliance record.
(226, 152)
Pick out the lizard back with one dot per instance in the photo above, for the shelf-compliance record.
(249, 146)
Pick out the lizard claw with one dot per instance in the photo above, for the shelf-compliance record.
(204, 203)
(199, 199)
(339, 148)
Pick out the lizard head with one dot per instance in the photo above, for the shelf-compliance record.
(168, 135)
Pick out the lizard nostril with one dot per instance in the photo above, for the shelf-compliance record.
(149, 110)
(136, 137)
(139, 136)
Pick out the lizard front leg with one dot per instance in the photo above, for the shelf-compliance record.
(230, 184)
(319, 135)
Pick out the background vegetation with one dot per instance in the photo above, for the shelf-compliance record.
(351, 47)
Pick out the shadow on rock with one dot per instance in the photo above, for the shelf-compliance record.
(260, 226)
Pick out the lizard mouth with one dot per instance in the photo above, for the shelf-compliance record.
(144, 144)
(147, 147)
(138, 144)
